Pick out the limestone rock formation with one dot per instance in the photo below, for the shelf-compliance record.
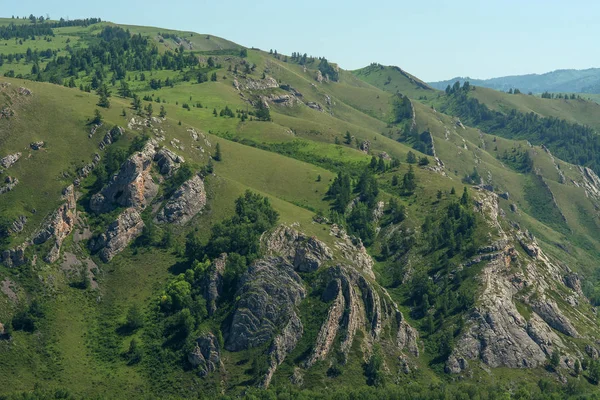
(58, 226)
(10, 184)
(185, 203)
(305, 253)
(213, 283)
(9, 160)
(111, 137)
(12, 258)
(119, 234)
(19, 224)
(132, 186)
(268, 293)
(497, 334)
(206, 356)
(36, 145)
(168, 162)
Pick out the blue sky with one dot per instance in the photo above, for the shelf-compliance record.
(434, 39)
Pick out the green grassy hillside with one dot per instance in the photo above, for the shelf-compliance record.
(326, 148)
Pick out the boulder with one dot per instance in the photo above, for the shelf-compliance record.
(365, 146)
(132, 186)
(315, 106)
(185, 203)
(36, 145)
(268, 292)
(119, 234)
(206, 356)
(548, 310)
(9, 160)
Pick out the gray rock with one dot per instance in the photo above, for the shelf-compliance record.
(11, 183)
(111, 137)
(305, 253)
(36, 145)
(213, 283)
(119, 234)
(504, 195)
(185, 203)
(132, 186)
(19, 224)
(12, 258)
(365, 146)
(168, 162)
(268, 293)
(58, 226)
(206, 356)
(315, 106)
(9, 160)
(593, 352)
(551, 314)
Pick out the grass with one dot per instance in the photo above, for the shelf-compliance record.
(79, 346)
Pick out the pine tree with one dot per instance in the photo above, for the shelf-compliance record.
(411, 158)
(348, 138)
(464, 200)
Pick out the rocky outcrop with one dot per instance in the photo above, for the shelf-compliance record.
(12, 258)
(119, 234)
(58, 226)
(268, 292)
(185, 203)
(353, 250)
(282, 345)
(111, 137)
(132, 186)
(553, 316)
(36, 145)
(267, 83)
(365, 146)
(9, 160)
(496, 333)
(10, 184)
(18, 224)
(305, 253)
(206, 356)
(359, 304)
(315, 106)
(168, 162)
(213, 283)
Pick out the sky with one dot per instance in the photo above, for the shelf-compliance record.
(434, 40)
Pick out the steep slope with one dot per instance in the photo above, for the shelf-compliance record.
(238, 219)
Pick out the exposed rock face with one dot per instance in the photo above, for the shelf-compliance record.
(262, 84)
(87, 169)
(119, 234)
(19, 224)
(185, 203)
(305, 253)
(213, 283)
(206, 356)
(12, 258)
(353, 251)
(284, 100)
(319, 78)
(36, 145)
(497, 334)
(11, 183)
(168, 162)
(59, 225)
(111, 137)
(9, 160)
(132, 186)
(552, 315)
(268, 292)
(282, 345)
(359, 304)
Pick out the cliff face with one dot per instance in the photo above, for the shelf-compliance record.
(271, 291)
(518, 275)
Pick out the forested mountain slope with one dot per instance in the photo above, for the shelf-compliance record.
(181, 216)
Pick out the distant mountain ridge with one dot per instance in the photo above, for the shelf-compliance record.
(562, 80)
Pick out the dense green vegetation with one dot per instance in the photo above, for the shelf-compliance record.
(571, 142)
